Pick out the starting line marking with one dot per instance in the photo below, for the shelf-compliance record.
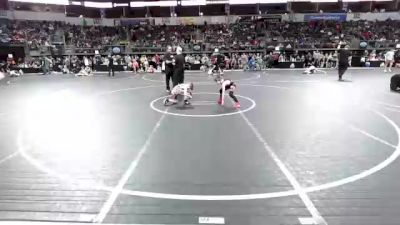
(253, 105)
(211, 220)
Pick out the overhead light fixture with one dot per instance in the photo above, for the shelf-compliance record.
(138, 4)
(54, 2)
(271, 1)
(243, 2)
(314, 1)
(193, 2)
(163, 3)
(356, 0)
(76, 3)
(98, 4)
(212, 2)
(324, 0)
(121, 4)
(153, 3)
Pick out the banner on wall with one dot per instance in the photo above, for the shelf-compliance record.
(127, 22)
(378, 16)
(219, 20)
(188, 20)
(97, 21)
(326, 16)
(232, 19)
(272, 18)
(166, 21)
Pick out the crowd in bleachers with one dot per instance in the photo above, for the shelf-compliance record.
(239, 35)
(242, 35)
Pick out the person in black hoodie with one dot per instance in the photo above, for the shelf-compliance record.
(218, 61)
(343, 60)
(179, 67)
(110, 65)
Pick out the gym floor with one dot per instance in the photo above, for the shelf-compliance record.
(303, 149)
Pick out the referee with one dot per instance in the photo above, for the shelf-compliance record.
(179, 67)
(344, 55)
(169, 68)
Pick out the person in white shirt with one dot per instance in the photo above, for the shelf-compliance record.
(85, 70)
(389, 59)
(16, 73)
(184, 90)
(312, 69)
(329, 60)
(227, 86)
(146, 65)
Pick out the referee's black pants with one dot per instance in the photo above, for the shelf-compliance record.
(111, 70)
(342, 70)
(178, 77)
(169, 75)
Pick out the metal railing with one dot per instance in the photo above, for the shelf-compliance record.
(140, 50)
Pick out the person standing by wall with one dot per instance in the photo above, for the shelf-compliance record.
(389, 60)
(46, 63)
(110, 65)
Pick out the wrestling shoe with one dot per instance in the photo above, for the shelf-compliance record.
(166, 101)
(237, 105)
